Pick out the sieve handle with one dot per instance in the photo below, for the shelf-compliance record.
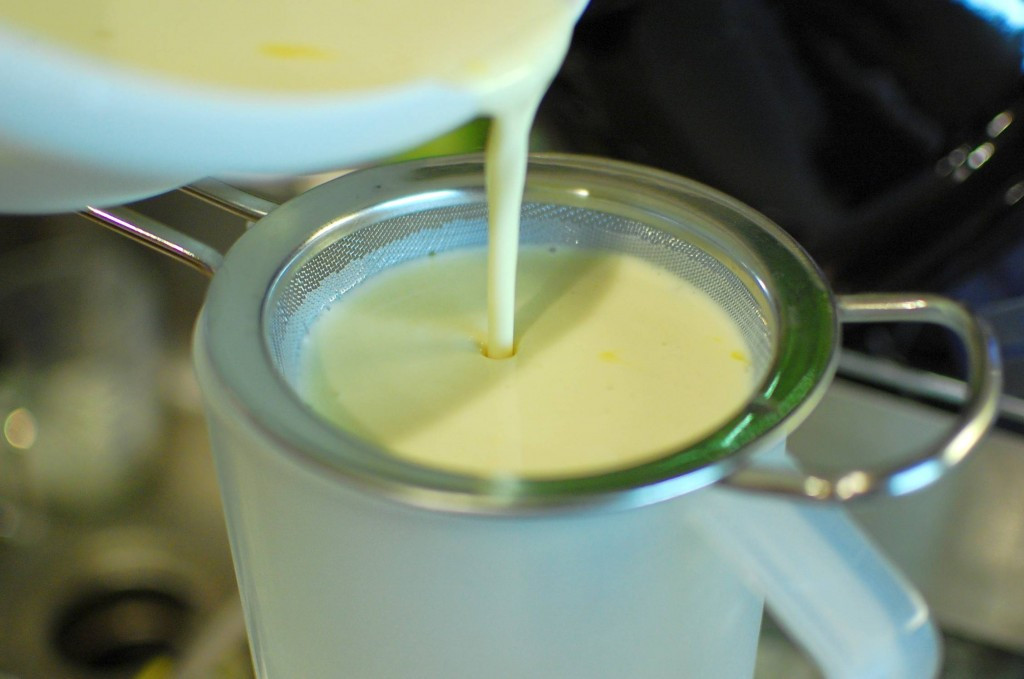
(174, 243)
(980, 406)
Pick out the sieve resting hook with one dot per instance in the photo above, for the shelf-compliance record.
(170, 241)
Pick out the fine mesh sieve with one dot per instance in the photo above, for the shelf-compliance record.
(281, 275)
(335, 263)
(301, 256)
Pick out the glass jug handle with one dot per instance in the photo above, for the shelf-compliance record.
(826, 584)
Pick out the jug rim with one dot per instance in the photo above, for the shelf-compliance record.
(236, 369)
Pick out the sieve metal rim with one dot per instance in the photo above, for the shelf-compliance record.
(230, 335)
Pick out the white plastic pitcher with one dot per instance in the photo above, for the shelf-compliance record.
(352, 562)
(338, 582)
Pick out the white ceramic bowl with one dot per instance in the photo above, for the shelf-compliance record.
(75, 130)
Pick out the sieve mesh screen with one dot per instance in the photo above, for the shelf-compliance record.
(339, 259)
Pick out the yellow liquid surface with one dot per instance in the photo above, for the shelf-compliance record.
(312, 45)
(616, 362)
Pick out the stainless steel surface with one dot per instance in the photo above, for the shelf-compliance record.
(79, 348)
(96, 590)
(922, 385)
